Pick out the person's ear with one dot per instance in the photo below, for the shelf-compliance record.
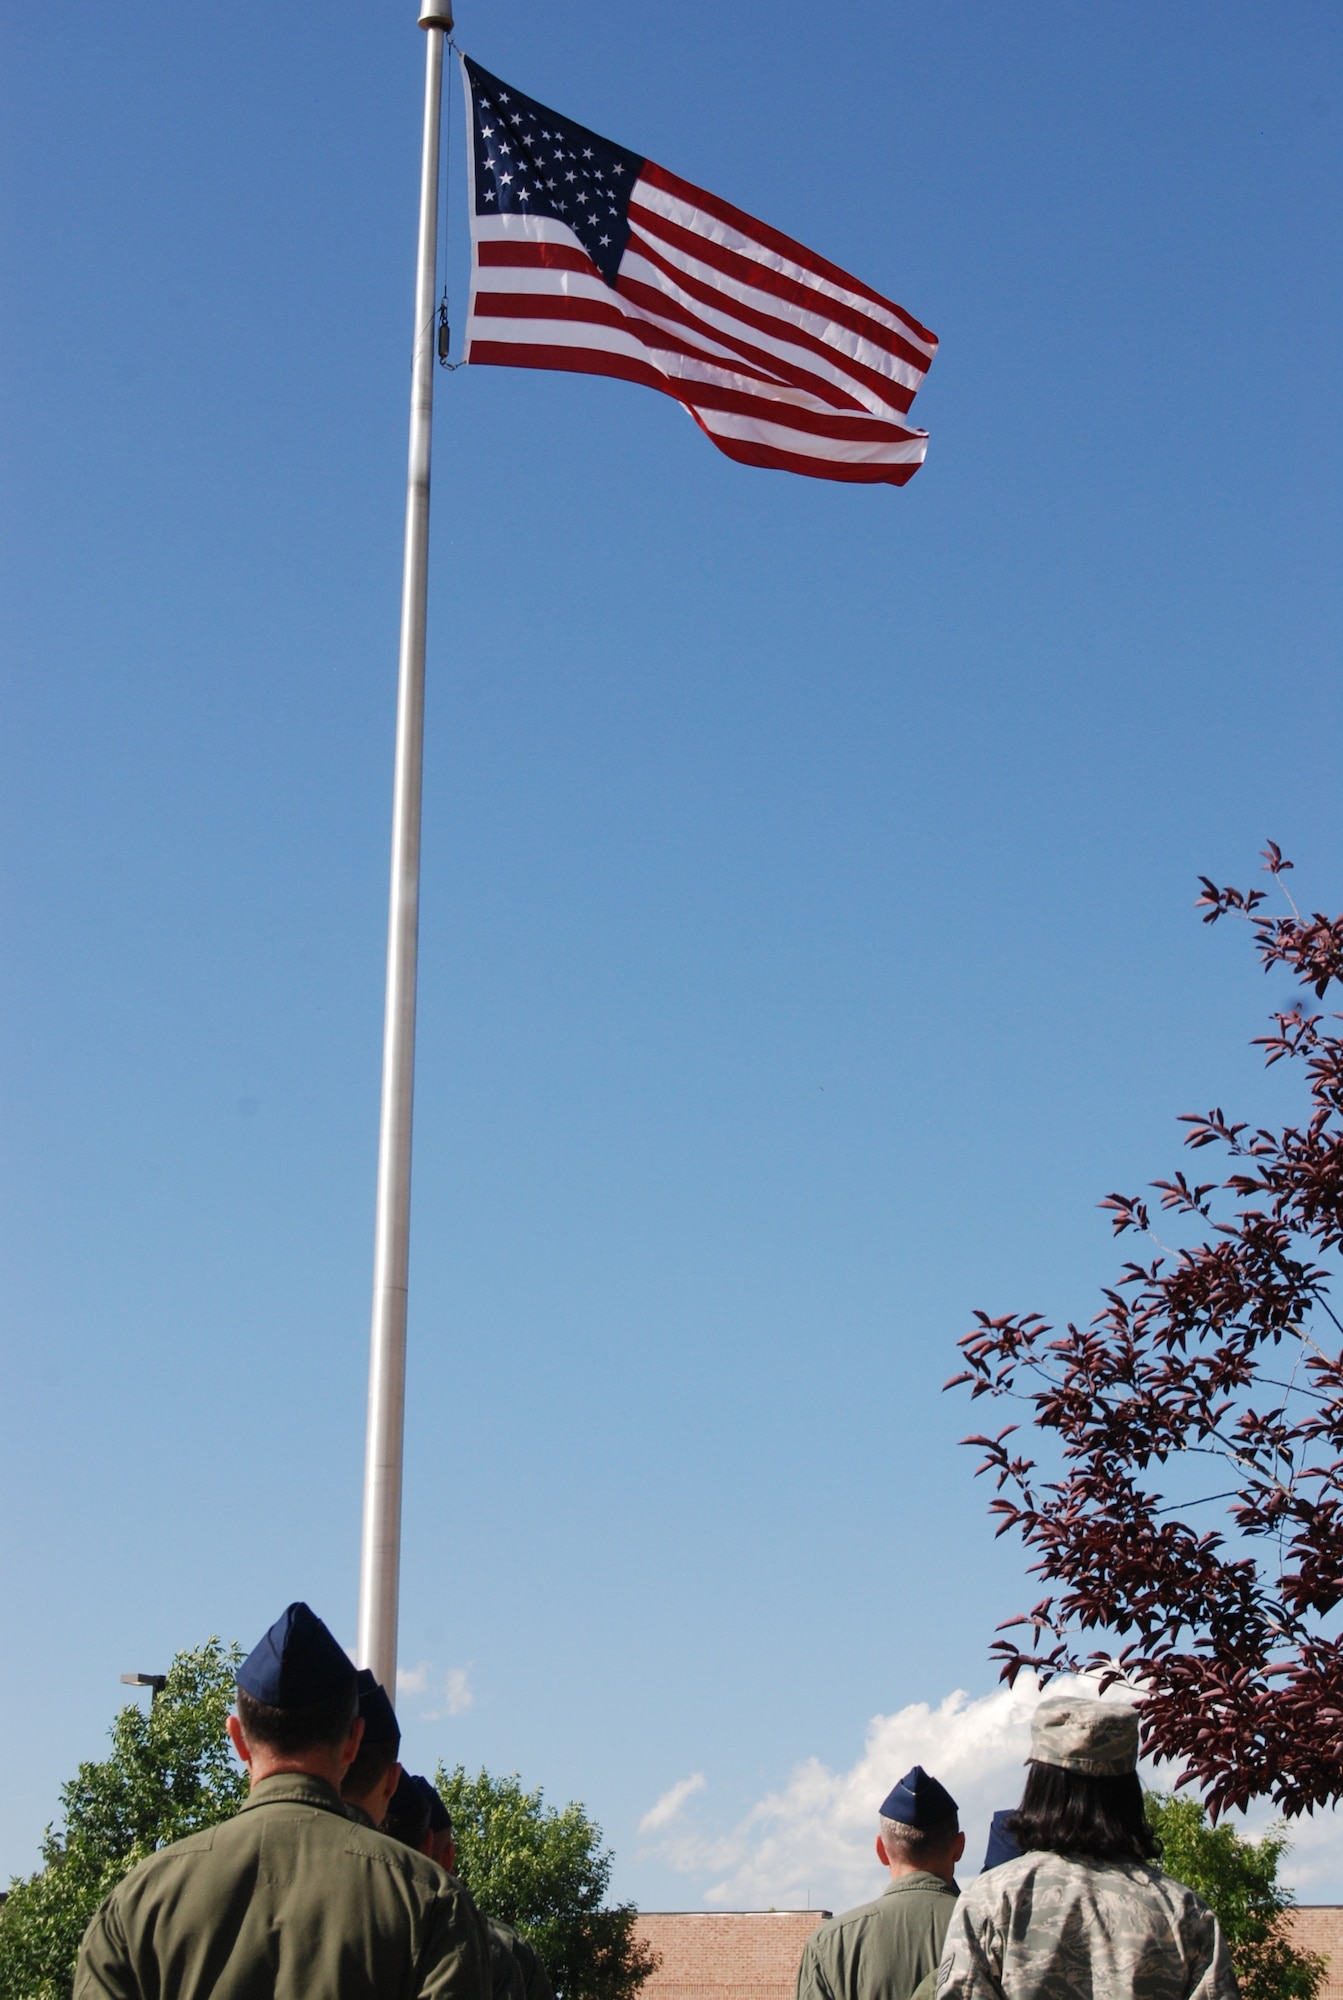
(882, 1856)
(349, 1750)
(389, 1785)
(239, 1741)
(450, 1862)
(958, 1849)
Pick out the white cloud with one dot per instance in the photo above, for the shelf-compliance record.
(671, 1802)
(458, 1694)
(1314, 1868)
(451, 1694)
(811, 1841)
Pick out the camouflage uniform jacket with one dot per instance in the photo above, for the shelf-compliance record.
(290, 1900)
(881, 1950)
(1060, 1927)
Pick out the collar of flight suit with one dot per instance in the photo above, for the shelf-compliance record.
(922, 1879)
(296, 1788)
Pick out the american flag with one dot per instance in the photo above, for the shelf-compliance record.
(588, 258)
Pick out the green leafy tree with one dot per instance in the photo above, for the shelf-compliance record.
(542, 1870)
(1238, 1880)
(171, 1772)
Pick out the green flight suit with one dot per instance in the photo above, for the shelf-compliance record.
(517, 1971)
(535, 1979)
(882, 1950)
(289, 1900)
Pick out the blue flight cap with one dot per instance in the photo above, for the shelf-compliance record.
(408, 1812)
(1003, 1845)
(440, 1819)
(297, 1664)
(379, 1717)
(918, 1801)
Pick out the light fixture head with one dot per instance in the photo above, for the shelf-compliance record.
(155, 1681)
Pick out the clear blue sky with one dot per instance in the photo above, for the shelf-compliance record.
(807, 939)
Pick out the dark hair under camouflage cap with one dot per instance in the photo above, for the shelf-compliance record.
(1097, 1737)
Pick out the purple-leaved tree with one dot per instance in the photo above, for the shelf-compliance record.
(1220, 1351)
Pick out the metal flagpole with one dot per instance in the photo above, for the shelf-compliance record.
(380, 1552)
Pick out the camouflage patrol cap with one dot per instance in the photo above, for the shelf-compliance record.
(1097, 1737)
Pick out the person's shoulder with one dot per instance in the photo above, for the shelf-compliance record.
(182, 1853)
(1020, 1869)
(1187, 1902)
(996, 1886)
(922, 1883)
(159, 1872)
(381, 1850)
(1042, 1870)
(1128, 1879)
(1144, 1887)
(854, 1919)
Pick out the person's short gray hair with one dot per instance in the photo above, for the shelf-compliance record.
(911, 1843)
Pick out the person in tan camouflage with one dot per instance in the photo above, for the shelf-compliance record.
(1084, 1913)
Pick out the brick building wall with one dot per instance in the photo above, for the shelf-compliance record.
(729, 1955)
(754, 1954)
(1319, 1927)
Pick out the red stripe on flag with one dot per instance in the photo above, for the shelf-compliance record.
(754, 360)
(663, 340)
(780, 328)
(783, 246)
(834, 424)
(742, 353)
(763, 278)
(527, 255)
(568, 361)
(549, 305)
(561, 306)
(775, 460)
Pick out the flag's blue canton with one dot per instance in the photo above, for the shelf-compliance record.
(530, 161)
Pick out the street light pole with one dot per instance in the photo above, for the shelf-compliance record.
(380, 1554)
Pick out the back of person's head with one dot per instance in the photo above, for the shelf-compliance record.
(379, 1743)
(408, 1812)
(440, 1819)
(297, 1688)
(439, 1844)
(1083, 1796)
(290, 1731)
(915, 1844)
(918, 1819)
